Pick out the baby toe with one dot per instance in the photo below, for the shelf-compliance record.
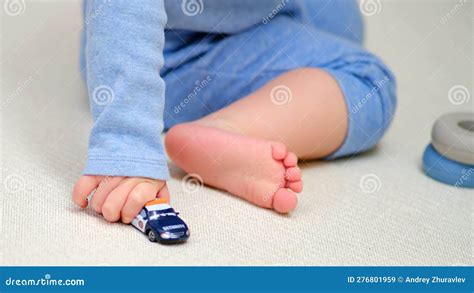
(296, 186)
(293, 174)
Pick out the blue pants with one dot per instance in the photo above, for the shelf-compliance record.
(206, 72)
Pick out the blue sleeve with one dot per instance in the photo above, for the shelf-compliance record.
(369, 88)
(123, 55)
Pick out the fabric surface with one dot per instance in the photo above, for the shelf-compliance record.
(374, 209)
(213, 57)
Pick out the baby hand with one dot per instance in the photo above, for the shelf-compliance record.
(118, 197)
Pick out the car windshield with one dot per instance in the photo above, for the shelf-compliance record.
(162, 213)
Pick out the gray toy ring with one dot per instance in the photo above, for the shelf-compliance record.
(453, 136)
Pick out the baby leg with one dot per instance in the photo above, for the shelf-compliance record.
(244, 148)
(312, 95)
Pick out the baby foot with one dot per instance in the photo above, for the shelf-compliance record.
(260, 171)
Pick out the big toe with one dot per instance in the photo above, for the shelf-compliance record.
(284, 201)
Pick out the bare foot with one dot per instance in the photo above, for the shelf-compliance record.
(260, 171)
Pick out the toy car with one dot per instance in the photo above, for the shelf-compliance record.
(161, 223)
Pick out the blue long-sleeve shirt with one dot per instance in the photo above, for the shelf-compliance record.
(123, 53)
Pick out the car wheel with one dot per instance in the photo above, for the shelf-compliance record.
(151, 236)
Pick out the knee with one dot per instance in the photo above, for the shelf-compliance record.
(381, 86)
(376, 90)
(369, 88)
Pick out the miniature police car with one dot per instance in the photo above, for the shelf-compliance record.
(161, 223)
